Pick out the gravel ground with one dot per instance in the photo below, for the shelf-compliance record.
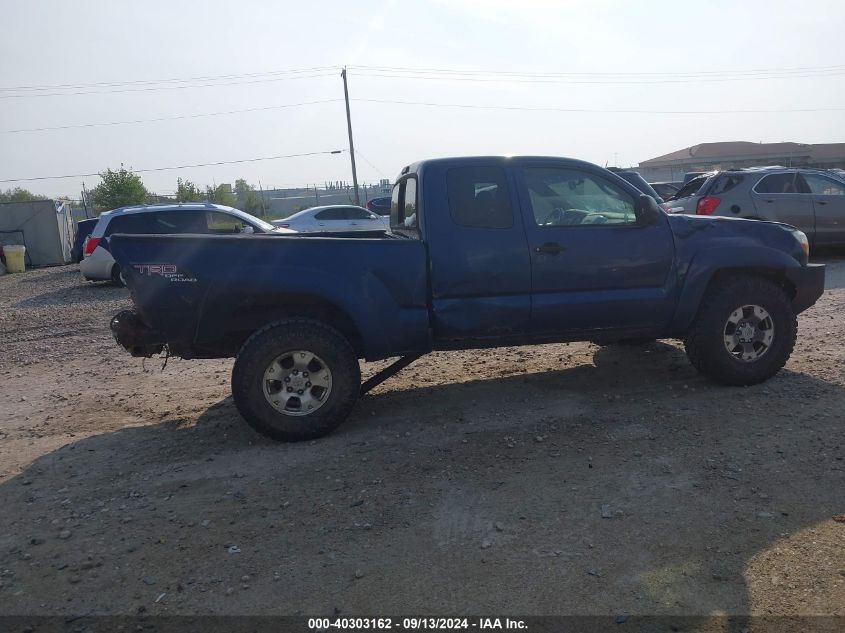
(558, 479)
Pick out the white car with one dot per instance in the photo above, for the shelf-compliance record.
(336, 217)
(201, 218)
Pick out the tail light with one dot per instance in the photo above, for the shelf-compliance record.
(91, 244)
(707, 205)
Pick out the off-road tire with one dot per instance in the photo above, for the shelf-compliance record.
(704, 342)
(275, 339)
(116, 276)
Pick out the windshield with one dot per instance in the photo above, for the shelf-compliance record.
(640, 183)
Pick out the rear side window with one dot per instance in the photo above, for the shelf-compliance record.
(338, 213)
(725, 182)
(691, 188)
(479, 197)
(779, 183)
(403, 205)
(354, 213)
(131, 223)
(180, 221)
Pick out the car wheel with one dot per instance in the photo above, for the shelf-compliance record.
(744, 332)
(117, 277)
(296, 379)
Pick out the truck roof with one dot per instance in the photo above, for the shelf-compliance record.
(457, 161)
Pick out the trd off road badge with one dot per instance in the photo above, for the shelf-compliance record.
(167, 271)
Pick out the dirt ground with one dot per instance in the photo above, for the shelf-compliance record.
(559, 479)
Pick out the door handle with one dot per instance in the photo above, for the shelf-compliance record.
(769, 200)
(550, 248)
(822, 202)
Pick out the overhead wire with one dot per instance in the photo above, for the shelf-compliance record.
(154, 169)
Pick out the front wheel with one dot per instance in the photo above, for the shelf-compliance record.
(744, 332)
(296, 379)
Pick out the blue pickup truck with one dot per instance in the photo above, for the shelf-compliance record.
(481, 252)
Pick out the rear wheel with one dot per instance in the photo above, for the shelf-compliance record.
(744, 332)
(117, 276)
(296, 379)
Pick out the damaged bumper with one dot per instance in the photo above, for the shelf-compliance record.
(135, 336)
(809, 285)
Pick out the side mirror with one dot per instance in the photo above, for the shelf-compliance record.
(646, 210)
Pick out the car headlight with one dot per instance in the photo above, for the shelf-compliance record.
(802, 241)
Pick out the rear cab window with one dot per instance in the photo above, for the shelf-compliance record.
(479, 197)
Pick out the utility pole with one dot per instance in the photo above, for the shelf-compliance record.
(263, 211)
(85, 199)
(351, 144)
(316, 194)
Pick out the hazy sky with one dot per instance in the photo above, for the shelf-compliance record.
(682, 49)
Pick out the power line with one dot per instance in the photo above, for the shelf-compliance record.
(441, 74)
(102, 84)
(157, 88)
(562, 80)
(152, 169)
(589, 110)
(624, 73)
(169, 118)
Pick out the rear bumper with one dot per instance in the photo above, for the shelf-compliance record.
(809, 285)
(135, 336)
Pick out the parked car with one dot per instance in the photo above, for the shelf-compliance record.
(809, 199)
(693, 174)
(331, 218)
(83, 230)
(638, 181)
(687, 196)
(204, 219)
(381, 206)
(666, 190)
(482, 252)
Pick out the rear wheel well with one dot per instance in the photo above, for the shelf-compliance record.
(247, 319)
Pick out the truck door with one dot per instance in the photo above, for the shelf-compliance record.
(480, 268)
(594, 265)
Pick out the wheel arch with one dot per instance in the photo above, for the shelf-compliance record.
(231, 324)
(713, 267)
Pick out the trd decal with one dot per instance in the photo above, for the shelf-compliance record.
(167, 271)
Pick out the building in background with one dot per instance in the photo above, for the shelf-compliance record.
(736, 154)
(45, 227)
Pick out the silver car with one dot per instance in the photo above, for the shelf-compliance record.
(202, 218)
(335, 217)
(812, 200)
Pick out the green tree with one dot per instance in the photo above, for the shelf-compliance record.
(119, 188)
(186, 191)
(221, 194)
(19, 195)
(248, 199)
